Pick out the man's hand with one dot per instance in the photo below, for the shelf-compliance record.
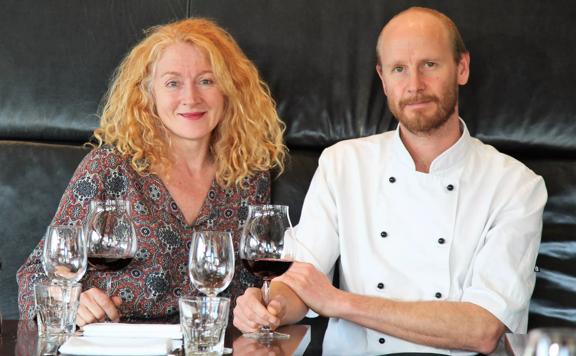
(313, 287)
(250, 313)
(96, 305)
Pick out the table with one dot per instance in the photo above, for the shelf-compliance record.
(19, 337)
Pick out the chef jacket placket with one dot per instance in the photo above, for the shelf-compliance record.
(415, 208)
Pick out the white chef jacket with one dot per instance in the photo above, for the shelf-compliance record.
(468, 231)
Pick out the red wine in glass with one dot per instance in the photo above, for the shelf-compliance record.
(267, 268)
(262, 253)
(108, 264)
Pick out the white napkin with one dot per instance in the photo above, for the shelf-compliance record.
(81, 345)
(168, 331)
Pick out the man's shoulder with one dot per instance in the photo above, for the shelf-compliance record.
(501, 163)
(364, 146)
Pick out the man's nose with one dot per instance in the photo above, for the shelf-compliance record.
(415, 81)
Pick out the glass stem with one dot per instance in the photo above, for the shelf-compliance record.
(265, 329)
(108, 285)
(266, 292)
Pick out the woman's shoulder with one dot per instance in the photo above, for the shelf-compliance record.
(258, 178)
(105, 157)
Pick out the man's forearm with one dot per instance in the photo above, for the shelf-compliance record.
(449, 325)
(295, 307)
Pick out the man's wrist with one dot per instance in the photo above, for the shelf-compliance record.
(338, 304)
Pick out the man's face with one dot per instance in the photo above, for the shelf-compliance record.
(418, 72)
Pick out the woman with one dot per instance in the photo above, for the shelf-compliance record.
(188, 135)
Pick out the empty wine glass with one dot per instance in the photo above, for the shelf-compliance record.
(262, 252)
(111, 237)
(211, 261)
(65, 251)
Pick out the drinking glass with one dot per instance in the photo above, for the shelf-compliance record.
(262, 252)
(211, 261)
(551, 342)
(111, 237)
(56, 307)
(65, 251)
(203, 322)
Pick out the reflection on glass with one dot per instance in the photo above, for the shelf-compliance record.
(551, 342)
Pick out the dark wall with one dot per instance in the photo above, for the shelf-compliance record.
(57, 56)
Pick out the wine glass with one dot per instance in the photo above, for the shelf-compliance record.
(65, 251)
(551, 341)
(211, 261)
(262, 252)
(111, 236)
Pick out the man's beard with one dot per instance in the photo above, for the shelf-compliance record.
(419, 123)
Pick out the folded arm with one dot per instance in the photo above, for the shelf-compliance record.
(450, 325)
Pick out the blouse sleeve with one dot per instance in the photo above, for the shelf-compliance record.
(91, 180)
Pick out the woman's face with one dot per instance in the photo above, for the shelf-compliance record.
(187, 99)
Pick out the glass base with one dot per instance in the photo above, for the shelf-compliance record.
(267, 336)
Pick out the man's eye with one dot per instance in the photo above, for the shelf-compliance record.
(397, 69)
(429, 64)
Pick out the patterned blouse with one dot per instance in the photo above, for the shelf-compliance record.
(157, 276)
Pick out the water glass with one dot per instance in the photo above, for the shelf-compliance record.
(203, 321)
(56, 307)
(551, 341)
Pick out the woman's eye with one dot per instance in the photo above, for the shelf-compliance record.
(206, 81)
(171, 84)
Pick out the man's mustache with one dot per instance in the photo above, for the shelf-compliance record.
(418, 99)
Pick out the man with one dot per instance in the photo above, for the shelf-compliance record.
(436, 232)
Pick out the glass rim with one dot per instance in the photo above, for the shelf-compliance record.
(109, 201)
(74, 226)
(201, 298)
(211, 232)
(48, 283)
(269, 206)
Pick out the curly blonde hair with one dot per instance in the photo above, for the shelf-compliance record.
(247, 140)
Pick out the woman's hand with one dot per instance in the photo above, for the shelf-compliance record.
(250, 313)
(96, 305)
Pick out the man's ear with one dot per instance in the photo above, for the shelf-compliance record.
(379, 71)
(464, 69)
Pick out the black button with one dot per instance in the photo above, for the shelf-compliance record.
(438, 295)
(383, 234)
(392, 179)
(441, 241)
(380, 285)
(450, 187)
(381, 340)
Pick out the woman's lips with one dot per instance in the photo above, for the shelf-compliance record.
(192, 115)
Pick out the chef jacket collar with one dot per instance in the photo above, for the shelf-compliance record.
(446, 160)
